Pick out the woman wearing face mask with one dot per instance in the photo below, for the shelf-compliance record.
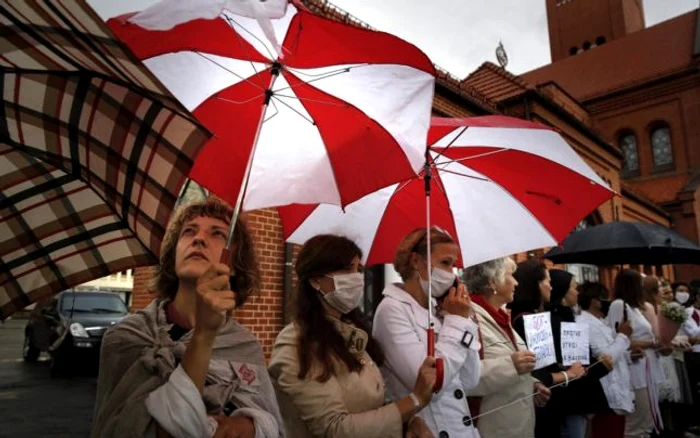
(400, 327)
(324, 365)
(594, 302)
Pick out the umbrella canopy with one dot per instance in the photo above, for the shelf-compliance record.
(320, 116)
(93, 152)
(618, 243)
(500, 186)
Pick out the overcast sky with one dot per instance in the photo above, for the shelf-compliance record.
(458, 35)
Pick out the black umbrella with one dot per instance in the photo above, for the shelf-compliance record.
(620, 243)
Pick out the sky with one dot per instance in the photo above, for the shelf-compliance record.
(458, 35)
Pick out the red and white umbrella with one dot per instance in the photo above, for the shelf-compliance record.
(500, 186)
(311, 109)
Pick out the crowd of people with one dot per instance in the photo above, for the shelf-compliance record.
(183, 367)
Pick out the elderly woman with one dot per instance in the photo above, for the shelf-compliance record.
(401, 319)
(325, 366)
(505, 362)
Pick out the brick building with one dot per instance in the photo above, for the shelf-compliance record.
(586, 123)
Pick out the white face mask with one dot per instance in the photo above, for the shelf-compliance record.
(349, 289)
(441, 282)
(682, 297)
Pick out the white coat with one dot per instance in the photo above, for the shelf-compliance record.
(400, 328)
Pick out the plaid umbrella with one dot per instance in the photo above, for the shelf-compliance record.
(93, 152)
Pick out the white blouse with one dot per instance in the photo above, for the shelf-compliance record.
(617, 384)
(641, 331)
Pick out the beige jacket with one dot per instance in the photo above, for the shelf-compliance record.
(500, 384)
(347, 405)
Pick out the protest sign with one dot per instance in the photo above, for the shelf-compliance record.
(538, 335)
(574, 343)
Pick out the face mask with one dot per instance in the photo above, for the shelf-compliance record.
(604, 307)
(682, 297)
(349, 289)
(440, 280)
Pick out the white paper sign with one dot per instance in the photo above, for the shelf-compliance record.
(574, 343)
(539, 338)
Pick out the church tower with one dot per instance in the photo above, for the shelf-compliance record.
(579, 25)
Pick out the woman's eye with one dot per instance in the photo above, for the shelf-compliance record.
(187, 231)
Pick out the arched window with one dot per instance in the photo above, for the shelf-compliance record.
(661, 149)
(628, 146)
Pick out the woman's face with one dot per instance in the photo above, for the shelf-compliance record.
(571, 297)
(326, 284)
(443, 255)
(506, 290)
(666, 294)
(546, 287)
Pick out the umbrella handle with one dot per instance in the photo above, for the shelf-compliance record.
(439, 364)
(225, 256)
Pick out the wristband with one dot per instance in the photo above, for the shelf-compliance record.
(417, 405)
(566, 376)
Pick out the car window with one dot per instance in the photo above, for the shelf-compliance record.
(93, 303)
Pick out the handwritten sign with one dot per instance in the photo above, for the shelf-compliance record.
(539, 338)
(574, 343)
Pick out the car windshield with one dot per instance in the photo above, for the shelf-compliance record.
(93, 303)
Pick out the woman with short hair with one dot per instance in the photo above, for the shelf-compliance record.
(505, 361)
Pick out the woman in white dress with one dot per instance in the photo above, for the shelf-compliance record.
(400, 328)
(643, 358)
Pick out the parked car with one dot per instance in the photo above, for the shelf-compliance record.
(70, 326)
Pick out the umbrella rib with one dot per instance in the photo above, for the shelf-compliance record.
(453, 172)
(324, 75)
(218, 64)
(464, 128)
(238, 102)
(277, 111)
(471, 157)
(296, 111)
(317, 78)
(311, 100)
(271, 56)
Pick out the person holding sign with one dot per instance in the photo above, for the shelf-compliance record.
(505, 361)
(400, 328)
(604, 340)
(580, 392)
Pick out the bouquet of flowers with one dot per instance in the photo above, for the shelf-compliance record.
(671, 316)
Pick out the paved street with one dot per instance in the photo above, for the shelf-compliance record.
(33, 404)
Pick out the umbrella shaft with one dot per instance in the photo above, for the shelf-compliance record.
(249, 166)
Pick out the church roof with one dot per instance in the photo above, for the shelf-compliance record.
(654, 52)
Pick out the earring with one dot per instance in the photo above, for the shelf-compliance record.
(494, 291)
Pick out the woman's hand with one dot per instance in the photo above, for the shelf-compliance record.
(425, 382)
(524, 361)
(235, 427)
(576, 371)
(607, 361)
(457, 301)
(542, 394)
(418, 429)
